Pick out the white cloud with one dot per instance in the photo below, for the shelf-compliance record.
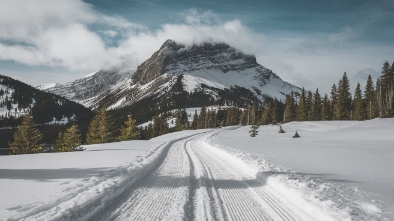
(59, 34)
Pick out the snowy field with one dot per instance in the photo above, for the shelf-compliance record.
(353, 160)
(335, 171)
(35, 182)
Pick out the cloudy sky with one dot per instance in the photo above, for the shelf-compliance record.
(308, 43)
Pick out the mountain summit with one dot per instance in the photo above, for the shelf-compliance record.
(178, 76)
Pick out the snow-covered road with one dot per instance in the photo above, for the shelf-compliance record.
(188, 178)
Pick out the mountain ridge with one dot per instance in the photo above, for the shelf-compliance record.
(182, 76)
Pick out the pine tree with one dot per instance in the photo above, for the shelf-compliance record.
(69, 140)
(302, 111)
(316, 107)
(232, 116)
(128, 132)
(184, 120)
(334, 102)
(326, 109)
(309, 105)
(195, 120)
(26, 138)
(379, 99)
(178, 124)
(289, 110)
(101, 128)
(265, 118)
(163, 124)
(358, 107)
(202, 119)
(369, 95)
(386, 78)
(254, 130)
(344, 99)
(59, 141)
(274, 112)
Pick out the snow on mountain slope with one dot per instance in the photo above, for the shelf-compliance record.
(85, 89)
(216, 69)
(210, 68)
(44, 87)
(9, 108)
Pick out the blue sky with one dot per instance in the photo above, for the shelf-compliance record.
(308, 43)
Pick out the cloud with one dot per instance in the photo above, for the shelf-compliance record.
(71, 36)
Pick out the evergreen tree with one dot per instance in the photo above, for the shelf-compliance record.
(202, 119)
(184, 120)
(379, 99)
(290, 109)
(232, 116)
(70, 140)
(358, 107)
(163, 124)
(26, 138)
(101, 128)
(178, 124)
(302, 111)
(274, 112)
(195, 120)
(386, 78)
(128, 131)
(149, 131)
(59, 141)
(370, 99)
(309, 105)
(316, 107)
(325, 109)
(334, 103)
(344, 99)
(254, 130)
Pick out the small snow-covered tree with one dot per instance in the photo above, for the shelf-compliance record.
(254, 130)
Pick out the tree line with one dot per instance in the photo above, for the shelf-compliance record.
(375, 100)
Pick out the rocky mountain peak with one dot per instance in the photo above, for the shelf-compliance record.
(173, 57)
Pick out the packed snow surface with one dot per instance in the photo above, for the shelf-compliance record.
(355, 159)
(217, 174)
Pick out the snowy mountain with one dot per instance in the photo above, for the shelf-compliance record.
(216, 71)
(87, 88)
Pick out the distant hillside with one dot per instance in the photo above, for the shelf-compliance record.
(18, 99)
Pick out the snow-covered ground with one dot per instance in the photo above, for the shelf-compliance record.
(335, 171)
(35, 182)
(353, 160)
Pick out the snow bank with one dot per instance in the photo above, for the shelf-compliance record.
(347, 162)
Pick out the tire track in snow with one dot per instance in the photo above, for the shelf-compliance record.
(161, 195)
(189, 180)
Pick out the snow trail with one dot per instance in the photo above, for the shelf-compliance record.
(186, 179)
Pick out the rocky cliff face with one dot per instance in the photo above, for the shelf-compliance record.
(176, 58)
